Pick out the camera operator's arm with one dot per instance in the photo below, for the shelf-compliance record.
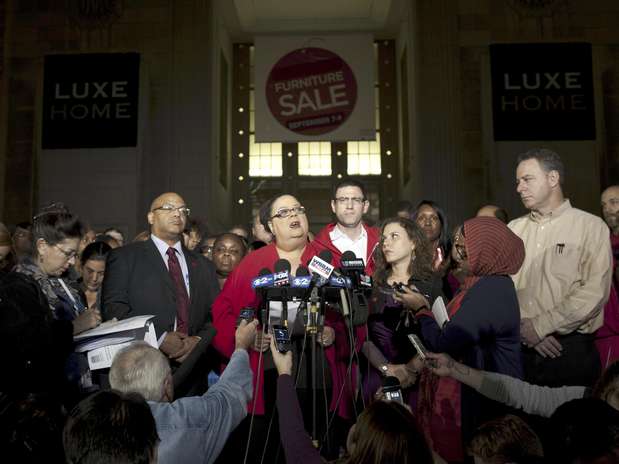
(532, 399)
(297, 444)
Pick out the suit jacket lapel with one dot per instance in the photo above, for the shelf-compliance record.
(192, 268)
(153, 255)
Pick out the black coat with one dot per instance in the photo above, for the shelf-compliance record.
(137, 282)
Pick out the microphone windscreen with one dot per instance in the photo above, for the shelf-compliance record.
(264, 271)
(326, 255)
(281, 265)
(348, 255)
(302, 271)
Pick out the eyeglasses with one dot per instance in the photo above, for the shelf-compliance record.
(461, 250)
(345, 200)
(183, 210)
(67, 254)
(285, 212)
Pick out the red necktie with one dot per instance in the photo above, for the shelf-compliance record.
(182, 299)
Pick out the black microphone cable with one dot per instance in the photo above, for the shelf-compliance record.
(253, 409)
(296, 382)
(263, 272)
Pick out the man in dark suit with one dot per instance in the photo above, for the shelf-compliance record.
(161, 277)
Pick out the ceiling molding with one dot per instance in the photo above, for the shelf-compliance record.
(261, 16)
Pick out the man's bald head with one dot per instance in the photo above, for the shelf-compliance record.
(612, 190)
(610, 207)
(166, 198)
(168, 217)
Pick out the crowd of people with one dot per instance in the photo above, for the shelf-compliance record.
(493, 341)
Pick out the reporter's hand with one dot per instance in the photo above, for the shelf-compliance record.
(416, 364)
(282, 361)
(261, 341)
(172, 343)
(549, 347)
(86, 320)
(411, 299)
(245, 334)
(402, 373)
(440, 364)
(326, 337)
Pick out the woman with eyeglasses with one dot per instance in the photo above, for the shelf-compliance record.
(285, 218)
(483, 333)
(56, 237)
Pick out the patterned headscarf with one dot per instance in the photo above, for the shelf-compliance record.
(492, 249)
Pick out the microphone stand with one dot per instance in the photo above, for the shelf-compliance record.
(284, 307)
(312, 328)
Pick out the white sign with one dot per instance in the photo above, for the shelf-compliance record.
(314, 88)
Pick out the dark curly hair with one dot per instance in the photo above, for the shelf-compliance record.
(420, 266)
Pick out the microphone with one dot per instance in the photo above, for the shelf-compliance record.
(339, 281)
(281, 274)
(320, 268)
(326, 255)
(303, 278)
(264, 279)
(392, 389)
(355, 267)
(350, 263)
(281, 278)
(261, 283)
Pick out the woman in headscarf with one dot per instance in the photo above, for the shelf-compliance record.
(483, 332)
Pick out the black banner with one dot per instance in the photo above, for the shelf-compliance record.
(542, 91)
(91, 101)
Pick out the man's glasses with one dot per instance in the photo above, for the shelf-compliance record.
(67, 254)
(183, 210)
(285, 212)
(346, 200)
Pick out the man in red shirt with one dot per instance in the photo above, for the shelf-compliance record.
(349, 233)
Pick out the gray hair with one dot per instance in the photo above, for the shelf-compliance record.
(548, 160)
(142, 369)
